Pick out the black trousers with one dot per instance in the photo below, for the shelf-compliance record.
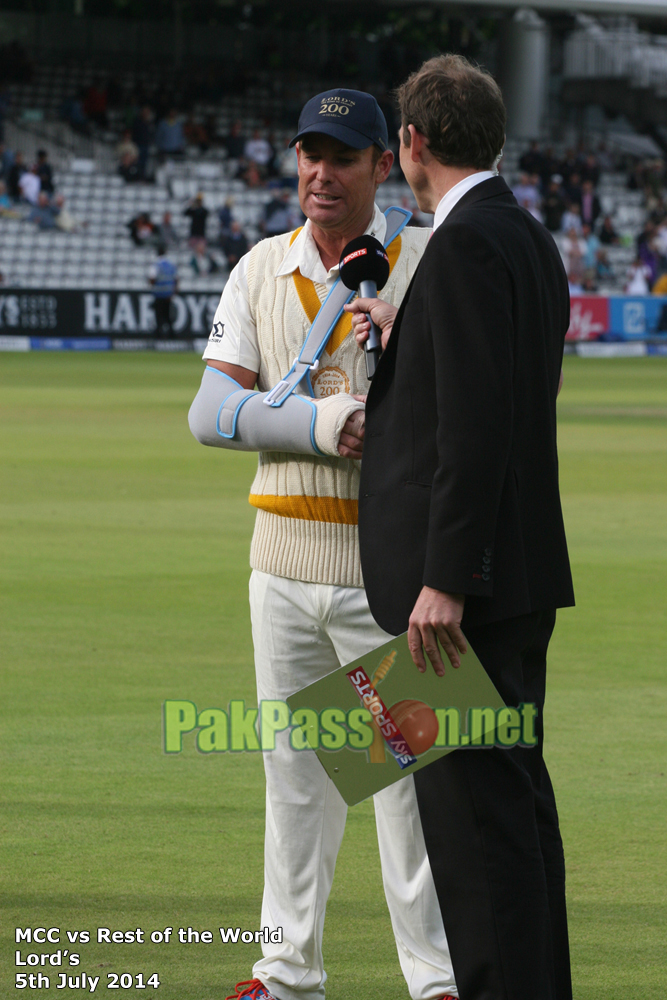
(491, 830)
(162, 309)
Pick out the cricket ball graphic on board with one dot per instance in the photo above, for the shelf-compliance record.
(417, 722)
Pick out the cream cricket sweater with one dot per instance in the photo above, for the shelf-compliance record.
(306, 526)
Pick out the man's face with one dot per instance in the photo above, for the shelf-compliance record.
(337, 184)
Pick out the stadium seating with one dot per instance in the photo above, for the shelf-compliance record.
(101, 253)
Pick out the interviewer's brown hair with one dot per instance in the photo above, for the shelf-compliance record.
(458, 107)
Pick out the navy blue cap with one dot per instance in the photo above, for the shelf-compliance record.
(352, 116)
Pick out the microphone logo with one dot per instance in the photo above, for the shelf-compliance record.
(357, 253)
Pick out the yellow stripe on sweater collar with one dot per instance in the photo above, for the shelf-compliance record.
(311, 301)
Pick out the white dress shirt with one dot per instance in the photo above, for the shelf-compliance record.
(454, 195)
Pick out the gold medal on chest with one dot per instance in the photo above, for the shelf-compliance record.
(330, 381)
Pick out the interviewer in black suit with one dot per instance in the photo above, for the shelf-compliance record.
(460, 520)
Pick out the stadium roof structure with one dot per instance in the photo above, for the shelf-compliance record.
(657, 8)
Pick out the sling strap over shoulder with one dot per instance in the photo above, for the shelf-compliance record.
(326, 319)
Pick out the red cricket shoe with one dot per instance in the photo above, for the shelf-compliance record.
(251, 989)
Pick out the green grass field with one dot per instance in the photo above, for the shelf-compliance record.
(124, 568)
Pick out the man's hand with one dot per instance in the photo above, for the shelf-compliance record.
(351, 439)
(437, 615)
(383, 315)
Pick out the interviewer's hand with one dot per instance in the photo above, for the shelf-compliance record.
(436, 615)
(351, 441)
(383, 315)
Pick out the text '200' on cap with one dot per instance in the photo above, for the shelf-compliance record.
(351, 116)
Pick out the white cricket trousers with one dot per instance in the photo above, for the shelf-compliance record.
(302, 631)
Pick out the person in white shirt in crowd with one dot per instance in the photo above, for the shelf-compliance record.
(571, 219)
(258, 150)
(30, 186)
(639, 278)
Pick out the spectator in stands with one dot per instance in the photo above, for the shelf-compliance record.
(574, 250)
(163, 276)
(554, 205)
(252, 175)
(590, 171)
(29, 185)
(574, 284)
(142, 134)
(532, 161)
(608, 235)
(126, 147)
(589, 204)
(567, 166)
(648, 252)
(6, 161)
(549, 168)
(196, 134)
(142, 230)
(128, 168)
(639, 276)
(660, 287)
(169, 137)
(660, 240)
(166, 232)
(5, 200)
(278, 216)
(258, 150)
(571, 219)
(604, 158)
(44, 172)
(95, 104)
(573, 188)
(44, 213)
(198, 214)
(211, 126)
(73, 112)
(654, 179)
(288, 167)
(225, 218)
(234, 143)
(592, 244)
(64, 219)
(647, 234)
(18, 168)
(526, 191)
(234, 245)
(603, 269)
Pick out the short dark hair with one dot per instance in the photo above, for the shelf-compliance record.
(458, 107)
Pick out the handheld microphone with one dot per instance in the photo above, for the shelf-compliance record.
(364, 267)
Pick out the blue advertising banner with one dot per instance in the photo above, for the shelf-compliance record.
(638, 317)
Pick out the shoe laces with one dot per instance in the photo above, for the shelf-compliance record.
(251, 989)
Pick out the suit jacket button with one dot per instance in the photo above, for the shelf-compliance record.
(486, 560)
(487, 552)
(486, 576)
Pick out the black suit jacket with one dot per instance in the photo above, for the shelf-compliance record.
(459, 479)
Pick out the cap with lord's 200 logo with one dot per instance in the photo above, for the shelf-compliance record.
(352, 116)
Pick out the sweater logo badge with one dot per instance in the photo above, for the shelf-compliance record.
(330, 381)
